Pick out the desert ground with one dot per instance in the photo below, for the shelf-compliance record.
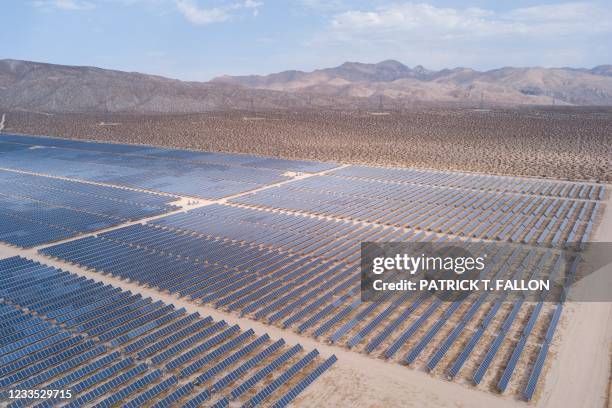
(557, 142)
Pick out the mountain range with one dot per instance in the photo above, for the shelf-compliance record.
(504, 86)
(35, 86)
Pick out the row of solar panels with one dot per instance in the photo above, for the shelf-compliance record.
(218, 272)
(120, 210)
(536, 372)
(315, 298)
(74, 189)
(172, 154)
(62, 331)
(26, 224)
(172, 177)
(36, 210)
(476, 181)
(389, 191)
(179, 177)
(295, 233)
(533, 220)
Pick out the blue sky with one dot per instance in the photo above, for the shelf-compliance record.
(200, 39)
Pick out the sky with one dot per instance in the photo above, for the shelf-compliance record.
(201, 39)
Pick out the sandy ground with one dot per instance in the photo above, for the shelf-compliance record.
(579, 376)
(6, 251)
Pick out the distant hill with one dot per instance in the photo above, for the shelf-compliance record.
(605, 70)
(33, 86)
(395, 80)
(37, 86)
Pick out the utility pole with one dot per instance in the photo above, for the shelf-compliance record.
(481, 100)
(380, 103)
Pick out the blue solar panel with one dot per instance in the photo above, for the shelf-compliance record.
(301, 386)
(207, 175)
(37, 210)
(92, 365)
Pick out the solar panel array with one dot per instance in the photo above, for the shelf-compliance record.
(103, 199)
(201, 174)
(320, 297)
(531, 217)
(109, 347)
(328, 239)
(35, 210)
(286, 255)
(222, 273)
(167, 153)
(471, 181)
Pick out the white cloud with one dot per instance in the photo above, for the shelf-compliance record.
(554, 12)
(422, 33)
(572, 18)
(197, 14)
(411, 17)
(426, 20)
(251, 4)
(66, 5)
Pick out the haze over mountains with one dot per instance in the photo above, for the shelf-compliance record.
(43, 87)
